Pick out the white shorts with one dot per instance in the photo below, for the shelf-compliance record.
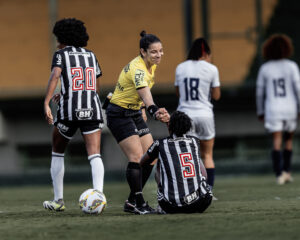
(203, 128)
(281, 125)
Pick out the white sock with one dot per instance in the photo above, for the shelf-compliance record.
(57, 173)
(97, 171)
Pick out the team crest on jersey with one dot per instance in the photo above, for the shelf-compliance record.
(58, 59)
(139, 77)
(84, 113)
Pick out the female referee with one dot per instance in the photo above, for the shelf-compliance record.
(197, 81)
(126, 117)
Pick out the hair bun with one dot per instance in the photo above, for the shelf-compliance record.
(143, 33)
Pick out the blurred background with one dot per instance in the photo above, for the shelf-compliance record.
(235, 29)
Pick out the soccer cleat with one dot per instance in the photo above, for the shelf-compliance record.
(129, 207)
(58, 205)
(287, 177)
(145, 209)
(214, 198)
(280, 179)
(159, 210)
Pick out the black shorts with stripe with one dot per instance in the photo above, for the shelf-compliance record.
(124, 123)
(69, 128)
(197, 206)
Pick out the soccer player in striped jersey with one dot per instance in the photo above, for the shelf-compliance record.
(78, 105)
(182, 186)
(196, 82)
(278, 99)
(126, 117)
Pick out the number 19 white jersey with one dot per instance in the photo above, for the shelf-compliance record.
(278, 90)
(195, 80)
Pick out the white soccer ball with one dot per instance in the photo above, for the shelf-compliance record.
(92, 201)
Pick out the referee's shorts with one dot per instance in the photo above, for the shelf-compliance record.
(198, 206)
(124, 123)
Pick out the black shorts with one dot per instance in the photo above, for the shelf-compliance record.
(199, 206)
(124, 123)
(69, 128)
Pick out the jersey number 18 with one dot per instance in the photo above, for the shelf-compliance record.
(191, 88)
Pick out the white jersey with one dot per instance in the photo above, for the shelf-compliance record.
(278, 90)
(195, 80)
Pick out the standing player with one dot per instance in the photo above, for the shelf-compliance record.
(277, 99)
(196, 82)
(78, 107)
(182, 186)
(124, 117)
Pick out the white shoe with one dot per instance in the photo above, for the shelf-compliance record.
(287, 177)
(54, 205)
(280, 179)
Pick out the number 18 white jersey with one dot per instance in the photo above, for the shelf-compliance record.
(278, 90)
(195, 80)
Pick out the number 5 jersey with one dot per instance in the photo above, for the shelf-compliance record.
(194, 80)
(278, 90)
(78, 96)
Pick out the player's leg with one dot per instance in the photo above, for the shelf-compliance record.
(206, 147)
(287, 156)
(59, 144)
(277, 156)
(92, 141)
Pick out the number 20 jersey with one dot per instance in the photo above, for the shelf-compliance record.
(278, 90)
(195, 80)
(78, 97)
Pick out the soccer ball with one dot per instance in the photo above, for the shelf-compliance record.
(92, 201)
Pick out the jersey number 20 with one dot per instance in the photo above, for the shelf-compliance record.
(78, 77)
(187, 164)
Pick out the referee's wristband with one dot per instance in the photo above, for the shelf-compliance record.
(152, 110)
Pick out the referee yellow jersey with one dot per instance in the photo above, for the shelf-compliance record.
(133, 76)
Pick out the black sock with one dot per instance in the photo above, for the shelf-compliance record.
(134, 179)
(276, 159)
(210, 176)
(287, 159)
(146, 172)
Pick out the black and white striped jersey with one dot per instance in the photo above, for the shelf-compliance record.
(78, 97)
(179, 169)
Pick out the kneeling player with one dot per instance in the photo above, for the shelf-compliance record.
(182, 186)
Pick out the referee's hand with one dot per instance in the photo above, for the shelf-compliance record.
(162, 115)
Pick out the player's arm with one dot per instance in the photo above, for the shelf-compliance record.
(177, 91)
(216, 93)
(151, 154)
(160, 114)
(52, 83)
(260, 87)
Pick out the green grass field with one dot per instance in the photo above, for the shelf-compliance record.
(249, 207)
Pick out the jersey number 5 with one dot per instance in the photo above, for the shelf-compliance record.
(78, 79)
(188, 168)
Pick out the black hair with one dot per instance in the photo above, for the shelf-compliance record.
(179, 124)
(147, 40)
(277, 46)
(199, 47)
(71, 32)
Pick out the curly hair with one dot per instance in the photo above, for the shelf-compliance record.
(277, 46)
(71, 32)
(147, 39)
(179, 124)
(199, 47)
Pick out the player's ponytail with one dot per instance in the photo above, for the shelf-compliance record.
(198, 49)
